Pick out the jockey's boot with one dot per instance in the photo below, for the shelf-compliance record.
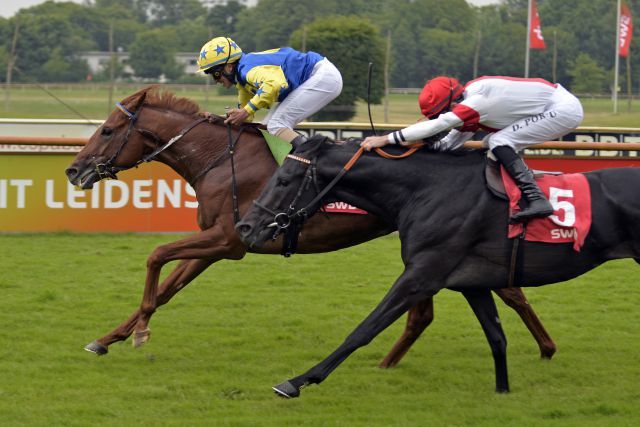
(537, 203)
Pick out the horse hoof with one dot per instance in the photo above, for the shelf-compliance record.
(140, 337)
(547, 354)
(96, 348)
(287, 390)
(502, 390)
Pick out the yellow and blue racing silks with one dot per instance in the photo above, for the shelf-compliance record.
(266, 77)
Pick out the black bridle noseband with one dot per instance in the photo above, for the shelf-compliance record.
(291, 221)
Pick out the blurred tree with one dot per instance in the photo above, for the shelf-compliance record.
(406, 64)
(271, 22)
(350, 42)
(503, 50)
(63, 69)
(588, 76)
(153, 54)
(445, 53)
(189, 36)
(427, 35)
(4, 61)
(541, 64)
(223, 20)
(170, 12)
(41, 35)
(133, 7)
(408, 22)
(126, 21)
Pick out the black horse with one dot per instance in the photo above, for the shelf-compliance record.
(453, 232)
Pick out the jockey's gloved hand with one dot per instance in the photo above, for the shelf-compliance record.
(207, 115)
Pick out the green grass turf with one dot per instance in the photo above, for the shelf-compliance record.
(92, 102)
(243, 326)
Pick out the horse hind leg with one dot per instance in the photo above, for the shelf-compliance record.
(420, 316)
(515, 298)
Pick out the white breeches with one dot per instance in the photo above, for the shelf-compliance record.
(562, 115)
(323, 86)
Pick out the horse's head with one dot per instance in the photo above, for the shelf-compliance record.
(116, 145)
(289, 198)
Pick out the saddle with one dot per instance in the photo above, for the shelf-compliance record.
(494, 181)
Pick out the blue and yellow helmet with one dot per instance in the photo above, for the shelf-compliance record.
(218, 51)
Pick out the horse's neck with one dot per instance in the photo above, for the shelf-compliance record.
(205, 151)
(384, 187)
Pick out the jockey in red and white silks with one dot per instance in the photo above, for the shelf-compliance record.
(516, 112)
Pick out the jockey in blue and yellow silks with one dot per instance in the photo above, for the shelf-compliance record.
(294, 85)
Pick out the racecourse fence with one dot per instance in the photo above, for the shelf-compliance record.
(36, 197)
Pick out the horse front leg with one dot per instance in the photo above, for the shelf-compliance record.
(405, 293)
(181, 276)
(212, 244)
(420, 316)
(485, 310)
(515, 298)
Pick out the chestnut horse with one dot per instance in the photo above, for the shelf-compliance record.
(155, 125)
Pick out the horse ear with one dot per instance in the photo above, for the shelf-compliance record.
(326, 142)
(141, 100)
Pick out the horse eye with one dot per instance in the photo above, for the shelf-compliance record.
(106, 131)
(282, 182)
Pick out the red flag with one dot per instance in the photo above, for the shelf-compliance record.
(626, 30)
(536, 41)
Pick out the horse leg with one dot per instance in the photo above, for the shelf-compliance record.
(405, 293)
(181, 276)
(485, 310)
(514, 298)
(211, 244)
(420, 316)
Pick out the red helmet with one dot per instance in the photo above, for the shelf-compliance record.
(437, 95)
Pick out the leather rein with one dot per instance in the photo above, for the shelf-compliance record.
(291, 221)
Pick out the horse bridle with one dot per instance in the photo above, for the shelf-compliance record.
(109, 170)
(283, 220)
(291, 220)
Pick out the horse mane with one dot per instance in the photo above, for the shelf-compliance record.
(159, 97)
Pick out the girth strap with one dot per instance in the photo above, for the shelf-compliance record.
(515, 257)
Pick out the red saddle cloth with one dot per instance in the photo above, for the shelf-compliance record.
(342, 207)
(570, 197)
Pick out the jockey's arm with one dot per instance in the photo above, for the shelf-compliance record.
(452, 141)
(424, 129)
(270, 80)
(244, 96)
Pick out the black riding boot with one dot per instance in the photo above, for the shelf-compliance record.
(537, 203)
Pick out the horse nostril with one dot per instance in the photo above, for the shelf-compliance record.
(71, 172)
(244, 229)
